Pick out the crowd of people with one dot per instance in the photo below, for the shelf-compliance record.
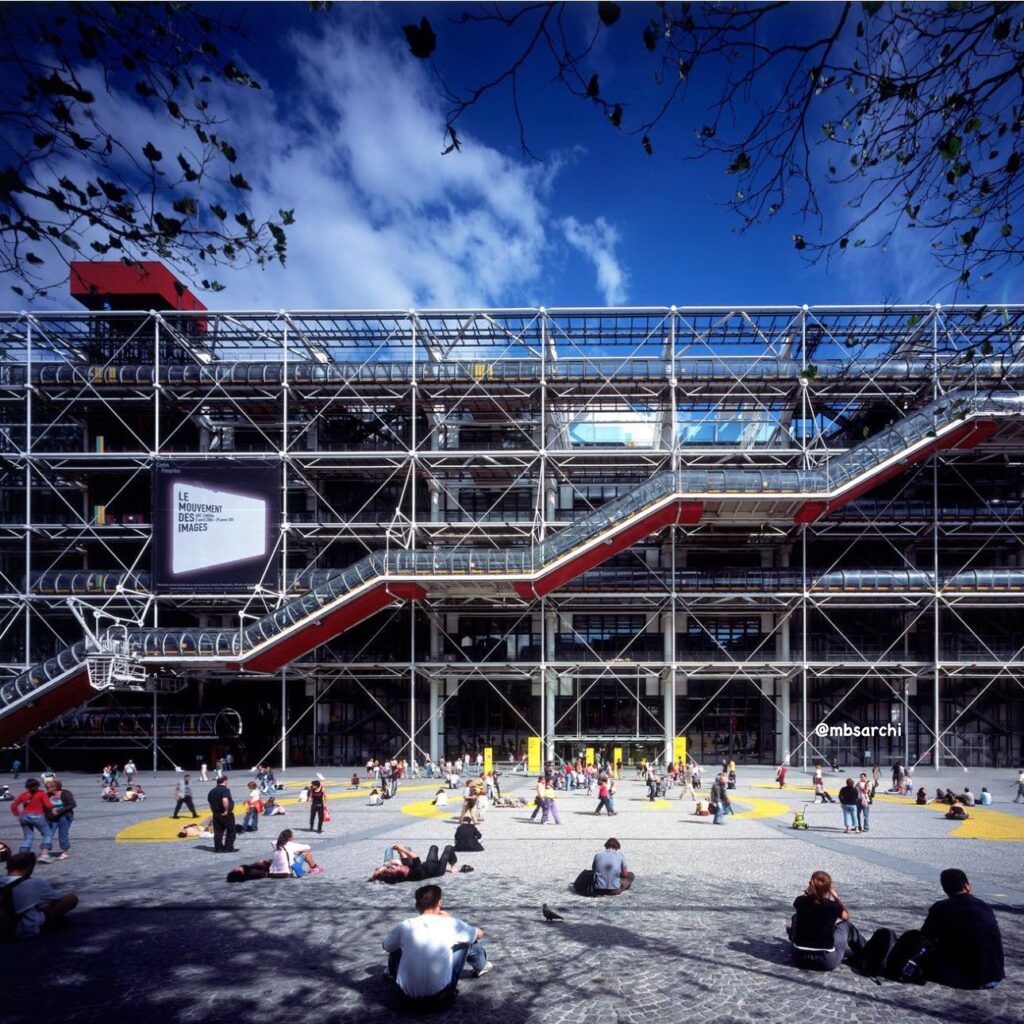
(958, 944)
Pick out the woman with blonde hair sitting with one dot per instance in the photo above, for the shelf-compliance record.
(821, 933)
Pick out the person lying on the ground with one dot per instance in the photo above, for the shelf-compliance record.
(248, 872)
(467, 837)
(403, 865)
(611, 876)
(37, 904)
(197, 829)
(966, 945)
(821, 933)
(272, 807)
(508, 801)
(290, 857)
(427, 953)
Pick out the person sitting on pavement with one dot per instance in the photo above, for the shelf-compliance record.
(967, 797)
(985, 797)
(440, 799)
(375, 799)
(37, 904)
(821, 933)
(957, 811)
(611, 876)
(966, 945)
(922, 797)
(820, 791)
(290, 857)
(403, 865)
(426, 953)
(467, 837)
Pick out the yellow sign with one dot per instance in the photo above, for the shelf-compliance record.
(533, 754)
(616, 760)
(488, 760)
(590, 755)
(679, 750)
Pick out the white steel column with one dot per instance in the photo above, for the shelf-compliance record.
(548, 690)
(435, 711)
(284, 719)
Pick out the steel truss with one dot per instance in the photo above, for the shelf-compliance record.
(484, 430)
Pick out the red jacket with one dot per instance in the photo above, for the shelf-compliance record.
(32, 803)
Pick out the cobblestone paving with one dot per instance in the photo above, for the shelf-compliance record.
(160, 936)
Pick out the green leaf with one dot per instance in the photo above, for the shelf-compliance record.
(799, 242)
(968, 237)
(113, 192)
(651, 35)
(151, 153)
(646, 143)
(239, 181)
(218, 211)
(616, 115)
(740, 163)
(1006, 230)
(287, 216)
(169, 226)
(593, 88)
(949, 146)
(186, 206)
(31, 257)
(421, 39)
(188, 170)
(609, 13)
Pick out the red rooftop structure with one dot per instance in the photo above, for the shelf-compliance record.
(111, 284)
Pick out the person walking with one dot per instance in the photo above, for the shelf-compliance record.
(59, 819)
(183, 796)
(780, 775)
(16, 767)
(30, 809)
(222, 805)
(720, 798)
(603, 797)
(550, 807)
(254, 801)
(204, 775)
(1020, 787)
(538, 798)
(315, 801)
(129, 771)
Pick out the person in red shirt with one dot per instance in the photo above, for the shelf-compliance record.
(30, 809)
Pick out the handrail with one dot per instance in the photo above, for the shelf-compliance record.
(846, 471)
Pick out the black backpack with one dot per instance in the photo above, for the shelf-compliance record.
(906, 960)
(9, 917)
(875, 954)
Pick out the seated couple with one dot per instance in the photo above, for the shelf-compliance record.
(958, 945)
(608, 876)
(402, 865)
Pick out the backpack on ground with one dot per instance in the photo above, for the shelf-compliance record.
(875, 954)
(9, 917)
(584, 884)
(906, 960)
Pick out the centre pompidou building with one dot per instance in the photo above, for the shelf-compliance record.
(602, 528)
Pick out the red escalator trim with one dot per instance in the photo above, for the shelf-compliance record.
(319, 631)
(687, 512)
(966, 436)
(75, 690)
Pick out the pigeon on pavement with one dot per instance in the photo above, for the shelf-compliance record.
(550, 915)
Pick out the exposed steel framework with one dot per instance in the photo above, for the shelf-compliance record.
(611, 526)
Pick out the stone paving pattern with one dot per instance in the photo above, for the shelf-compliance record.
(160, 936)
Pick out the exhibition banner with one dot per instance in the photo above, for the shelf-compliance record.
(214, 524)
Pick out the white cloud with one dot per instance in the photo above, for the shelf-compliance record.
(598, 241)
(383, 220)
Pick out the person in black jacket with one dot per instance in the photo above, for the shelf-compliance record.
(848, 799)
(821, 932)
(60, 819)
(967, 948)
(467, 837)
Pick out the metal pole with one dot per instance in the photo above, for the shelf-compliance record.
(284, 720)
(155, 695)
(28, 507)
(936, 649)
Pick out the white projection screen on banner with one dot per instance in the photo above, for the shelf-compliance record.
(214, 524)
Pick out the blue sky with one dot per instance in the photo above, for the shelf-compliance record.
(348, 132)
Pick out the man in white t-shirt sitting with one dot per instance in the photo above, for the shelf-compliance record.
(428, 952)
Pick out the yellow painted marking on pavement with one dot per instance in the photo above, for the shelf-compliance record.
(655, 805)
(426, 809)
(983, 823)
(760, 808)
(165, 829)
